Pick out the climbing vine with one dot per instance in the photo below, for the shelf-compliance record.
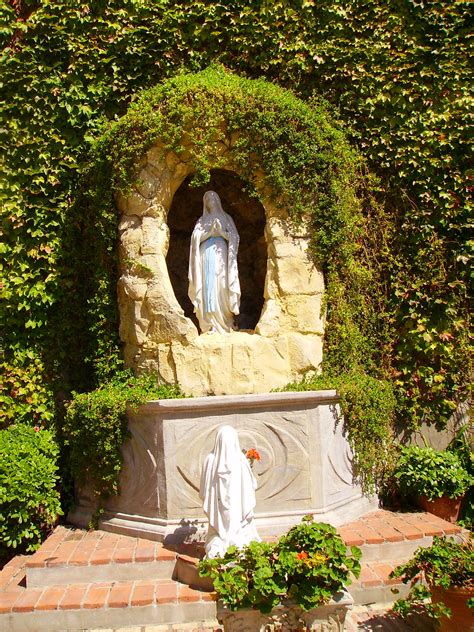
(95, 428)
(368, 409)
(396, 74)
(308, 165)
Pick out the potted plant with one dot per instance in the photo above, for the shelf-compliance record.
(444, 572)
(436, 478)
(285, 581)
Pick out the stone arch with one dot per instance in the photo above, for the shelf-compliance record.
(157, 334)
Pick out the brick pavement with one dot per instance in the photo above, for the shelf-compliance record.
(106, 557)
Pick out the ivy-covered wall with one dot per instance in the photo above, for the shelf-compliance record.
(396, 74)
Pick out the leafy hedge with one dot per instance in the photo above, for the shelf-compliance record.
(397, 75)
(29, 499)
(95, 428)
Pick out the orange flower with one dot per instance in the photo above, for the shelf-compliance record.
(302, 556)
(253, 455)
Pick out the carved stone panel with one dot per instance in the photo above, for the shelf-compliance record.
(283, 472)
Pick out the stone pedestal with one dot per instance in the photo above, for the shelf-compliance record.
(305, 466)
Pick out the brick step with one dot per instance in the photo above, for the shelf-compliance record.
(104, 605)
(385, 535)
(111, 604)
(72, 556)
(375, 586)
(386, 540)
(81, 580)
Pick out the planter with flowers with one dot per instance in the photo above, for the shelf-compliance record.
(443, 572)
(297, 582)
(436, 478)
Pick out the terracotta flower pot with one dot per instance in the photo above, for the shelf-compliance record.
(444, 507)
(462, 617)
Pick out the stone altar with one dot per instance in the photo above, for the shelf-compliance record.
(305, 465)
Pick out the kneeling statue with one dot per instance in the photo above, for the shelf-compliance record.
(228, 493)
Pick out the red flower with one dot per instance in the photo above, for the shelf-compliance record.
(302, 556)
(37, 428)
(253, 455)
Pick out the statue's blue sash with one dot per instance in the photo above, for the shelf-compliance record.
(210, 289)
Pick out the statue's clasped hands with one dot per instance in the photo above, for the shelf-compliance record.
(218, 230)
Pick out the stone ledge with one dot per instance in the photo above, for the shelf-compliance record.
(270, 400)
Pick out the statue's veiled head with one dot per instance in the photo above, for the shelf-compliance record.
(212, 203)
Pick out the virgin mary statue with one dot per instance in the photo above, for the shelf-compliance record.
(214, 287)
(228, 493)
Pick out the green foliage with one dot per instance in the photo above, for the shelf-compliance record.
(327, 564)
(25, 392)
(308, 565)
(461, 446)
(368, 406)
(29, 500)
(417, 602)
(396, 74)
(447, 564)
(95, 427)
(308, 166)
(431, 473)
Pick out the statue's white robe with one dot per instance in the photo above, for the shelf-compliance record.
(214, 287)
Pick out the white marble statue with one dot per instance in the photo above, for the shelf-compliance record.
(228, 493)
(214, 287)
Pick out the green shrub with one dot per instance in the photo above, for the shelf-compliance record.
(431, 473)
(95, 427)
(445, 564)
(308, 565)
(29, 500)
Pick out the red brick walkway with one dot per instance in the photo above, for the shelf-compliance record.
(76, 547)
(385, 526)
(80, 571)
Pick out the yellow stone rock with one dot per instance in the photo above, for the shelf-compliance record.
(155, 236)
(287, 340)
